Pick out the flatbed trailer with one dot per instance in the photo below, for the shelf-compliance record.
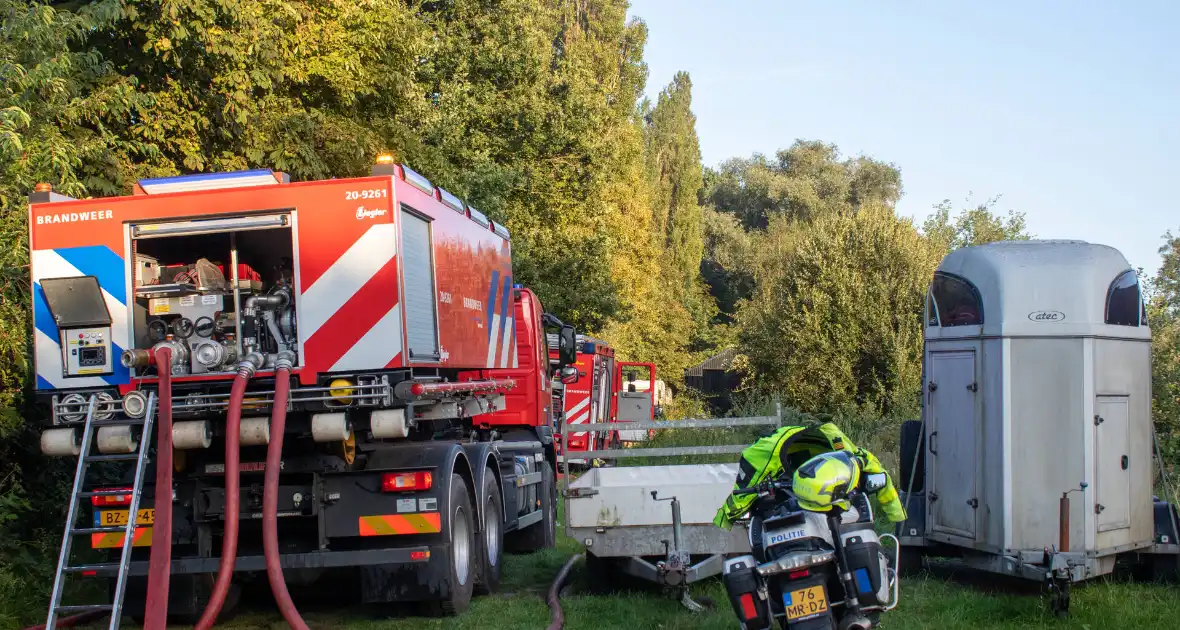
(656, 522)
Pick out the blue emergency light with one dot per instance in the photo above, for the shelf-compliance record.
(208, 181)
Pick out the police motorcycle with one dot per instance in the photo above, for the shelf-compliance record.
(816, 562)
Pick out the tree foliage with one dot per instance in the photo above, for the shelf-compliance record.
(835, 318)
(976, 225)
(61, 108)
(1163, 314)
(803, 182)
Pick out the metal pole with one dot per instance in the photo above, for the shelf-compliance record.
(1063, 523)
(233, 263)
(676, 524)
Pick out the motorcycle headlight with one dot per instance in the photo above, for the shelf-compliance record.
(794, 562)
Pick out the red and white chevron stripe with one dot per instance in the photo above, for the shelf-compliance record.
(350, 316)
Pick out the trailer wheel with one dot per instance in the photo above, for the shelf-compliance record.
(543, 534)
(490, 542)
(461, 569)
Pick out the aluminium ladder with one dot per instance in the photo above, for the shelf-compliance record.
(84, 460)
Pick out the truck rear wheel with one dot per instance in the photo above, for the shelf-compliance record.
(461, 560)
(490, 542)
(542, 534)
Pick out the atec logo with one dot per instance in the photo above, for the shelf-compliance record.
(368, 213)
(1047, 316)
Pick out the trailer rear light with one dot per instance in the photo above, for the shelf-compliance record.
(111, 500)
(407, 481)
(749, 611)
(417, 389)
(419, 555)
(89, 573)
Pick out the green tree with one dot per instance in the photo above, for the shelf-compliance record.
(803, 182)
(1163, 313)
(976, 225)
(835, 317)
(61, 104)
(727, 267)
(532, 117)
(674, 172)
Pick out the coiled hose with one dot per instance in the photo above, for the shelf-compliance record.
(160, 561)
(229, 539)
(270, 498)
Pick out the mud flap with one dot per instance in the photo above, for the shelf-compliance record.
(383, 583)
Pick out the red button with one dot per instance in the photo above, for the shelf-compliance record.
(80, 335)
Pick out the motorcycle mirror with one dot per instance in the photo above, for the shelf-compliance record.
(875, 481)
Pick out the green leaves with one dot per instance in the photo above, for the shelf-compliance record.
(974, 226)
(836, 320)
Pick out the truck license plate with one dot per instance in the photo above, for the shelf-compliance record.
(805, 603)
(785, 535)
(110, 518)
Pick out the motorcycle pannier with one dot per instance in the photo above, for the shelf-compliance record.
(864, 561)
(741, 583)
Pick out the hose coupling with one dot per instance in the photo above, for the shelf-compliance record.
(285, 360)
(137, 358)
(250, 364)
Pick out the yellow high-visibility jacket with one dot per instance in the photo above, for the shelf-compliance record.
(781, 452)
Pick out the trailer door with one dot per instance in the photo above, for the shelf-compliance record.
(953, 418)
(1112, 450)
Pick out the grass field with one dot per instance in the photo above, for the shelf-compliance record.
(928, 602)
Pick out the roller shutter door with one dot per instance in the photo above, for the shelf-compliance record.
(418, 278)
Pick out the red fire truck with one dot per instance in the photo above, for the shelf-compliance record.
(604, 391)
(338, 374)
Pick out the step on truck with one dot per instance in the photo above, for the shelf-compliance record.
(330, 375)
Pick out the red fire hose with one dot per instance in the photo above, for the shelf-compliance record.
(229, 539)
(160, 561)
(270, 498)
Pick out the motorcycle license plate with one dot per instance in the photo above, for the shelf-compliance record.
(785, 535)
(805, 603)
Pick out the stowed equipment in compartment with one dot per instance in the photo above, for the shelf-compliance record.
(209, 318)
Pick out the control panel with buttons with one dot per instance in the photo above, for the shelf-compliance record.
(87, 351)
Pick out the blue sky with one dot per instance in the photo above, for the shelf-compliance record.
(1068, 110)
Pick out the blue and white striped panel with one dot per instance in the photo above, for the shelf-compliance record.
(508, 318)
(110, 269)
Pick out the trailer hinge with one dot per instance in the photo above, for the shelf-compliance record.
(932, 386)
(972, 387)
(580, 493)
(1098, 508)
(933, 497)
(1098, 420)
(974, 503)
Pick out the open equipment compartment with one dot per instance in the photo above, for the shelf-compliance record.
(214, 290)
